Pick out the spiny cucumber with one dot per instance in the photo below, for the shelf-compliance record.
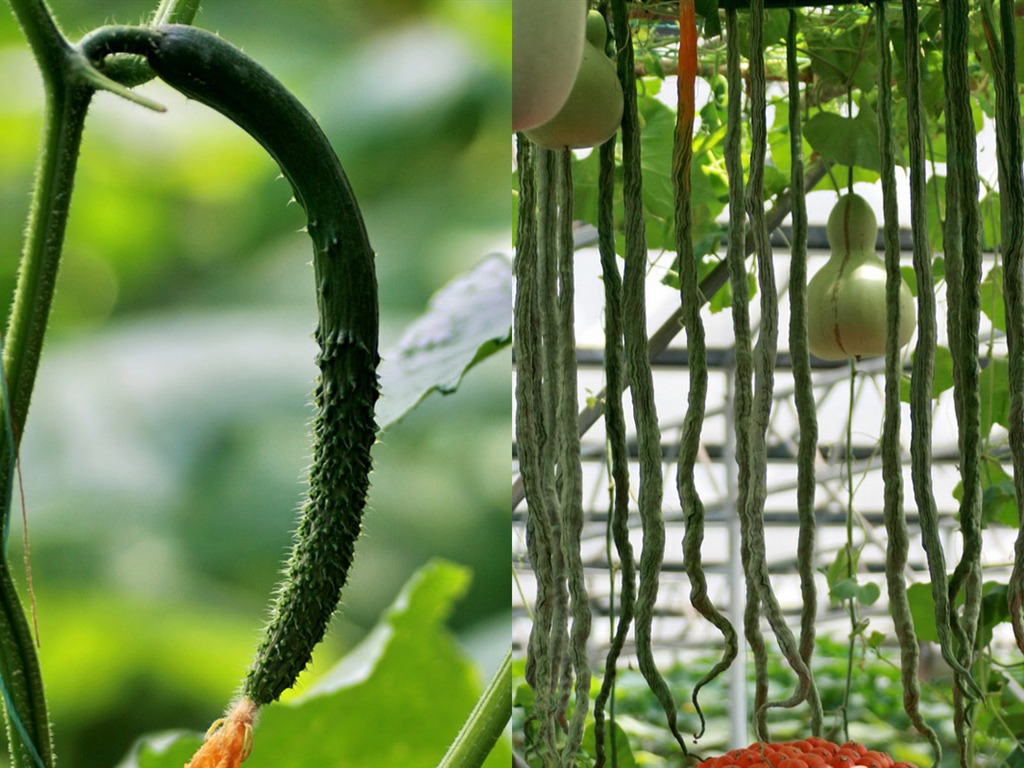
(209, 69)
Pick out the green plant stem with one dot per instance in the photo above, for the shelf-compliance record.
(175, 12)
(48, 45)
(67, 100)
(486, 722)
(851, 604)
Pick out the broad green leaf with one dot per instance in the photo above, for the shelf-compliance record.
(846, 141)
(466, 321)
(922, 609)
(935, 195)
(998, 496)
(942, 375)
(617, 736)
(995, 394)
(910, 278)
(398, 699)
(708, 9)
(842, 567)
(991, 235)
(868, 593)
(841, 55)
(994, 610)
(943, 371)
(845, 589)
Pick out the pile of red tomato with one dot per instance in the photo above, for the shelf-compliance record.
(807, 753)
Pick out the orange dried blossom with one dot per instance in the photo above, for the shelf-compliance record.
(228, 741)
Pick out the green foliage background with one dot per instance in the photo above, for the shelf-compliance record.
(164, 453)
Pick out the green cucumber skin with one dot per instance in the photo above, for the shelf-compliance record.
(205, 67)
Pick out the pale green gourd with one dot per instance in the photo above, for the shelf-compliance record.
(593, 111)
(547, 48)
(846, 304)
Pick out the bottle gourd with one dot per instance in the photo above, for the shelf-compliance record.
(846, 303)
(593, 111)
(547, 49)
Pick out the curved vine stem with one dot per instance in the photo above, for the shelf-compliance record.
(132, 69)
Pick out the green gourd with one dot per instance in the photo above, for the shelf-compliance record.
(547, 49)
(593, 111)
(846, 306)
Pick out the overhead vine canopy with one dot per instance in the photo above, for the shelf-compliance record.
(773, 100)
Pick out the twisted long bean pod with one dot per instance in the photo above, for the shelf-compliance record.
(807, 419)
(615, 428)
(638, 368)
(1011, 196)
(920, 406)
(898, 539)
(963, 279)
(570, 470)
(693, 421)
(742, 402)
(765, 352)
(549, 234)
(530, 436)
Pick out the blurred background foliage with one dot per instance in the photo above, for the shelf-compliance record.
(164, 456)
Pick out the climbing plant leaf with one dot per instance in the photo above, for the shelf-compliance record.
(846, 141)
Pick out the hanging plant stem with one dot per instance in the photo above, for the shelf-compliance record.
(851, 603)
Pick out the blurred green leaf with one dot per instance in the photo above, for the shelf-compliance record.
(995, 394)
(992, 298)
(846, 141)
(842, 567)
(408, 671)
(465, 322)
(922, 609)
(613, 736)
